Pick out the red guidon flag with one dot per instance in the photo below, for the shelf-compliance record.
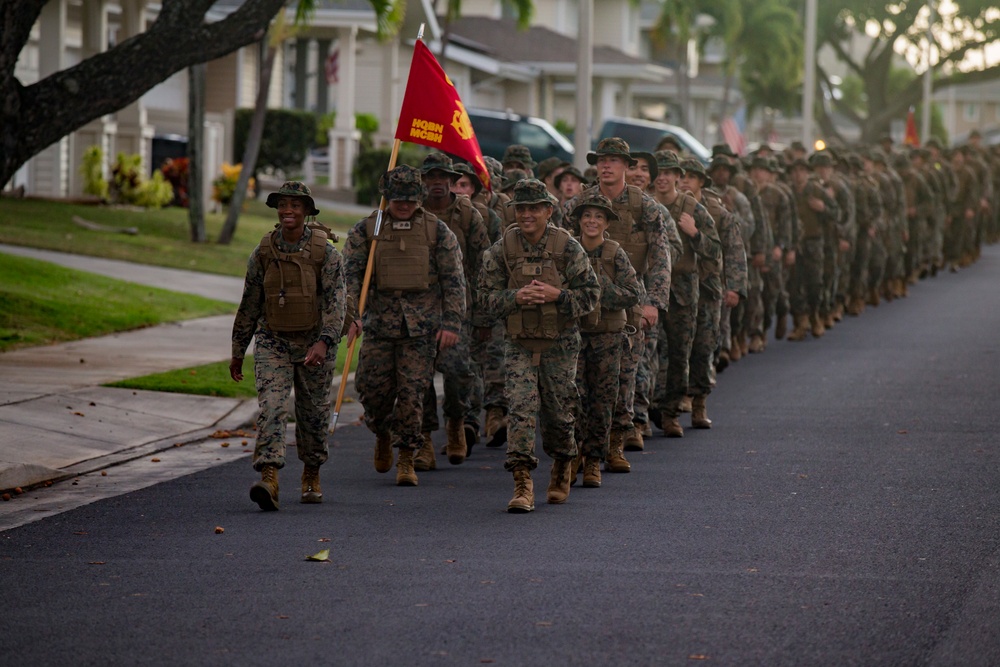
(433, 115)
(911, 138)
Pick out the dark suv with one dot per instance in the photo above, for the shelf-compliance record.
(496, 130)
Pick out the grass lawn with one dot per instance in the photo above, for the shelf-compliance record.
(213, 379)
(43, 303)
(163, 238)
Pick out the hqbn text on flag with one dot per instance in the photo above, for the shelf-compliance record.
(426, 131)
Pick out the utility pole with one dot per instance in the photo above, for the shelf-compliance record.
(809, 84)
(584, 83)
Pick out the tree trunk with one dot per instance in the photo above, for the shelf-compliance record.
(252, 149)
(196, 152)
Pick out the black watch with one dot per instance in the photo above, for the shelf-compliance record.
(561, 299)
(326, 339)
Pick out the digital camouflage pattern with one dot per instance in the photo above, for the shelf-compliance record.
(404, 183)
(518, 153)
(293, 189)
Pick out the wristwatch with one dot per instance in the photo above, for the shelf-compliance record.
(326, 339)
(561, 299)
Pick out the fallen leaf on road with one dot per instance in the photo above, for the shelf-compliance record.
(155, 460)
(219, 530)
(902, 432)
(104, 473)
(697, 656)
(80, 532)
(323, 539)
(281, 616)
(225, 444)
(544, 624)
(451, 560)
(5, 496)
(92, 403)
(78, 414)
(96, 562)
(321, 556)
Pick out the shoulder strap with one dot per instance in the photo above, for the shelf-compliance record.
(464, 205)
(266, 249)
(635, 202)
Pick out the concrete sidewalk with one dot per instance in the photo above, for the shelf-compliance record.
(56, 421)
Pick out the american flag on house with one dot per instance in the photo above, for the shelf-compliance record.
(734, 131)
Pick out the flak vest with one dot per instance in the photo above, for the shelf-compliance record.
(635, 243)
(811, 226)
(688, 261)
(291, 283)
(460, 222)
(402, 261)
(711, 201)
(536, 326)
(602, 320)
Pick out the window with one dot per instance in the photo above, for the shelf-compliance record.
(970, 112)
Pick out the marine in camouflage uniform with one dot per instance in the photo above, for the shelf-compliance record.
(874, 164)
(783, 306)
(936, 181)
(461, 373)
(918, 209)
(965, 209)
(539, 280)
(778, 213)
(415, 305)
(642, 231)
(297, 352)
(839, 237)
(701, 243)
(601, 333)
(717, 285)
(517, 157)
(868, 213)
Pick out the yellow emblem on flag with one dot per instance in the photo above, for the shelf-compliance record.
(460, 121)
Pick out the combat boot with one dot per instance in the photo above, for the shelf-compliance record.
(828, 321)
(744, 346)
(838, 312)
(311, 491)
(856, 307)
(801, 328)
(405, 476)
(494, 419)
(699, 413)
(592, 472)
(471, 437)
(685, 405)
(633, 440)
(265, 492)
(524, 492)
(756, 344)
(817, 325)
(558, 490)
(873, 297)
(616, 461)
(577, 465)
(646, 430)
(672, 428)
(722, 363)
(425, 458)
(780, 326)
(456, 447)
(735, 349)
(383, 452)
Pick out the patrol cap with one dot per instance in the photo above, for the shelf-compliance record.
(464, 169)
(666, 160)
(694, 166)
(719, 161)
(615, 146)
(822, 159)
(512, 177)
(723, 149)
(293, 189)
(570, 171)
(596, 200)
(650, 162)
(518, 153)
(530, 191)
(402, 184)
(440, 162)
(548, 165)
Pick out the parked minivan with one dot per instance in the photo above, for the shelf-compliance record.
(643, 135)
(496, 130)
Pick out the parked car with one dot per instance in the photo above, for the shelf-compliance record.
(496, 130)
(644, 135)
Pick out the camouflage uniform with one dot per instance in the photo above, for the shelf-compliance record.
(279, 357)
(806, 292)
(540, 382)
(462, 375)
(648, 222)
(919, 207)
(777, 212)
(844, 228)
(396, 362)
(599, 361)
(868, 213)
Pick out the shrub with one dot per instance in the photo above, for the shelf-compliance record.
(371, 164)
(175, 170)
(224, 185)
(129, 187)
(91, 168)
(285, 142)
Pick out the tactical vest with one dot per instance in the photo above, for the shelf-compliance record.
(460, 222)
(291, 283)
(602, 320)
(811, 225)
(536, 326)
(711, 201)
(688, 261)
(507, 214)
(402, 261)
(622, 230)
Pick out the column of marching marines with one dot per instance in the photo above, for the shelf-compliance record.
(584, 307)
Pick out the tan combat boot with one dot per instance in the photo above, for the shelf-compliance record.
(592, 472)
(383, 452)
(780, 326)
(829, 321)
(559, 482)
(672, 428)
(735, 349)
(685, 405)
(699, 413)
(817, 325)
(616, 461)
(494, 419)
(425, 459)
(646, 430)
(405, 476)
(311, 491)
(633, 440)
(873, 297)
(577, 466)
(524, 492)
(838, 312)
(756, 344)
(801, 328)
(456, 448)
(265, 492)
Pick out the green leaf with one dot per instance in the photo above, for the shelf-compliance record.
(320, 556)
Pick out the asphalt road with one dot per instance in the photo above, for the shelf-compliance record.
(843, 511)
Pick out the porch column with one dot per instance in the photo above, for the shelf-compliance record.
(135, 134)
(49, 174)
(301, 73)
(343, 136)
(322, 87)
(100, 131)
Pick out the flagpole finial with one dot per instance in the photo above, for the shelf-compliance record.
(420, 33)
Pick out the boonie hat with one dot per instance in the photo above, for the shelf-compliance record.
(463, 169)
(570, 171)
(693, 165)
(611, 146)
(438, 161)
(518, 153)
(596, 200)
(666, 160)
(650, 161)
(530, 191)
(402, 184)
(293, 189)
